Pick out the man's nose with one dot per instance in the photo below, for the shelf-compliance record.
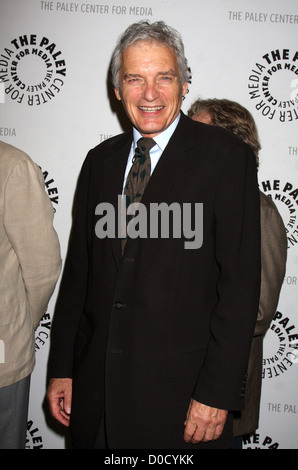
(150, 91)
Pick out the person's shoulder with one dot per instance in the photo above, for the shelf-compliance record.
(11, 152)
(11, 156)
(211, 133)
(270, 213)
(222, 145)
(109, 145)
(267, 204)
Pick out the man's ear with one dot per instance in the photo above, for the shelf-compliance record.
(117, 93)
(184, 89)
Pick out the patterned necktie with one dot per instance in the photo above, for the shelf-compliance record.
(138, 176)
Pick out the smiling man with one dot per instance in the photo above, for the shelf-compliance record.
(150, 87)
(151, 340)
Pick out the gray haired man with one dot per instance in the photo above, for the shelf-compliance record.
(151, 341)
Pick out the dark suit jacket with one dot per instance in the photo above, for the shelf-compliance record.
(142, 334)
(273, 260)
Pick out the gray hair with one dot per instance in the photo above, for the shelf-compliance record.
(144, 31)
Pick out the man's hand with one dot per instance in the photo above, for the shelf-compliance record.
(203, 423)
(59, 397)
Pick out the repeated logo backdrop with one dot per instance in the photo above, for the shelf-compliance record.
(56, 104)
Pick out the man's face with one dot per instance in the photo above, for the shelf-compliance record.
(150, 87)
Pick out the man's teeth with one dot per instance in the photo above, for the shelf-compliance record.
(150, 110)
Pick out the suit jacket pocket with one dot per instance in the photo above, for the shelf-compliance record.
(183, 364)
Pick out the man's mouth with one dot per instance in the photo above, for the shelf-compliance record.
(153, 109)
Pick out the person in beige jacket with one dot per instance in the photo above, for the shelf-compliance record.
(237, 119)
(30, 265)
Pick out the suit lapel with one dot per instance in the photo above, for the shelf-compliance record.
(171, 165)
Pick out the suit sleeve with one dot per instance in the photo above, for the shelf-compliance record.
(221, 381)
(28, 220)
(274, 256)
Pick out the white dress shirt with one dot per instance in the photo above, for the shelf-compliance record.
(161, 140)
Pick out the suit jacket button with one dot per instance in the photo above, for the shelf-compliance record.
(118, 305)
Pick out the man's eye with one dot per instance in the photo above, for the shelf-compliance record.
(134, 81)
(165, 79)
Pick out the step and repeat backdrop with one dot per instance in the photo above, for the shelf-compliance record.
(56, 103)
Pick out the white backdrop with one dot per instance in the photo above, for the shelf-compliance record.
(55, 105)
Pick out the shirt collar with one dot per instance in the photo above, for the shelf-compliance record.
(161, 139)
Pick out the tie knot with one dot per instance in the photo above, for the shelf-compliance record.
(145, 143)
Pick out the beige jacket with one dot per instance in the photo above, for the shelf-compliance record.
(30, 260)
(274, 257)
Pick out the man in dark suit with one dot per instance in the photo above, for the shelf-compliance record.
(150, 345)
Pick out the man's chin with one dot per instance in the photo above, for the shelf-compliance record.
(150, 131)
